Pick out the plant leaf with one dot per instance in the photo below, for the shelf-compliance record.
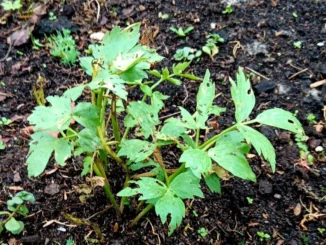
(14, 226)
(228, 153)
(87, 115)
(26, 196)
(62, 151)
(74, 93)
(281, 119)
(88, 140)
(186, 185)
(261, 144)
(243, 96)
(197, 160)
(173, 205)
(87, 163)
(180, 67)
(213, 183)
(136, 150)
(187, 119)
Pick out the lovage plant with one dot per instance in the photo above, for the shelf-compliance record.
(69, 127)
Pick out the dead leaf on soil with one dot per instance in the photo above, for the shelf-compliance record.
(38, 11)
(313, 214)
(274, 3)
(221, 172)
(96, 181)
(83, 188)
(19, 37)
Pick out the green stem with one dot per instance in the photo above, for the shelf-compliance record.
(99, 171)
(126, 184)
(11, 214)
(197, 136)
(99, 98)
(114, 120)
(141, 214)
(179, 171)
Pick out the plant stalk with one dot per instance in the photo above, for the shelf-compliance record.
(141, 214)
(114, 120)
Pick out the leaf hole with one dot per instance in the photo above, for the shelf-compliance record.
(249, 91)
(290, 121)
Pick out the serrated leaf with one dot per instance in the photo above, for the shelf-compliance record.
(88, 140)
(186, 185)
(87, 163)
(136, 150)
(213, 183)
(157, 100)
(14, 226)
(74, 93)
(124, 62)
(197, 160)
(62, 151)
(174, 81)
(171, 205)
(228, 153)
(243, 96)
(155, 73)
(180, 67)
(261, 144)
(86, 64)
(41, 147)
(52, 118)
(144, 115)
(281, 119)
(146, 89)
(148, 188)
(205, 98)
(114, 83)
(216, 110)
(172, 129)
(165, 73)
(87, 115)
(187, 119)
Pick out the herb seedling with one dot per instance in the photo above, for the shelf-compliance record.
(66, 128)
(305, 155)
(4, 121)
(295, 15)
(70, 241)
(2, 145)
(164, 16)
(202, 231)
(250, 200)
(228, 9)
(36, 43)
(311, 118)
(216, 38)
(262, 235)
(211, 49)
(52, 16)
(321, 230)
(63, 46)
(297, 45)
(180, 32)
(187, 53)
(16, 206)
(9, 5)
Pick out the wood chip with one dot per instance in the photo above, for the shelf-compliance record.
(15, 188)
(317, 84)
(297, 209)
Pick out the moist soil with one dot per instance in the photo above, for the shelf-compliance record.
(289, 205)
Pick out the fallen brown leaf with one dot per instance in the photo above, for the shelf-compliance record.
(19, 37)
(38, 10)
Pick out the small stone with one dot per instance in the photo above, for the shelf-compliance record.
(52, 189)
(142, 7)
(314, 143)
(283, 89)
(213, 25)
(277, 196)
(284, 137)
(319, 149)
(265, 187)
(264, 86)
(17, 177)
(256, 48)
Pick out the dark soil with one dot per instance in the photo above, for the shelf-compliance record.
(229, 218)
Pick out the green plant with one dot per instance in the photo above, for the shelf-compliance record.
(202, 231)
(305, 155)
(295, 15)
(216, 38)
(263, 235)
(321, 230)
(16, 206)
(36, 43)
(311, 118)
(52, 16)
(4, 121)
(210, 48)
(187, 53)
(11, 5)
(2, 145)
(250, 200)
(297, 45)
(118, 65)
(228, 9)
(70, 241)
(180, 32)
(63, 46)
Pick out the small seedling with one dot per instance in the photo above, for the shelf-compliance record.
(2, 145)
(195, 213)
(16, 206)
(164, 16)
(321, 230)
(250, 200)
(63, 46)
(211, 49)
(180, 32)
(228, 9)
(216, 38)
(52, 16)
(263, 235)
(20, 53)
(70, 241)
(187, 53)
(202, 231)
(295, 15)
(305, 155)
(4, 121)
(297, 45)
(311, 118)
(36, 43)
(9, 5)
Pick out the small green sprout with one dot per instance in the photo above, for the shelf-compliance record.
(20, 53)
(4, 121)
(16, 206)
(311, 118)
(9, 5)
(297, 45)
(63, 46)
(70, 241)
(211, 49)
(187, 53)
(202, 231)
(321, 230)
(303, 148)
(295, 15)
(263, 235)
(2, 145)
(36, 43)
(250, 200)
(180, 32)
(52, 16)
(2, 83)
(227, 10)
(216, 38)
(164, 16)
(195, 213)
